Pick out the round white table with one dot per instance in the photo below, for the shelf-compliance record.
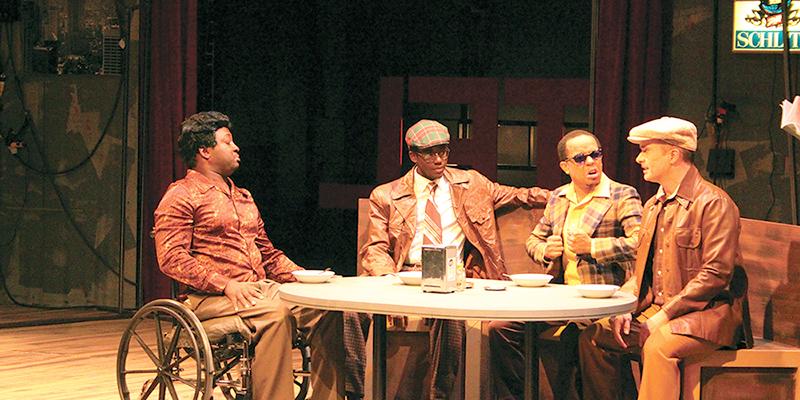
(386, 295)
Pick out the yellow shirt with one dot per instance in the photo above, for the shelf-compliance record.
(573, 222)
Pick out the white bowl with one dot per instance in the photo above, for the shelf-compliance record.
(531, 280)
(413, 278)
(597, 291)
(313, 276)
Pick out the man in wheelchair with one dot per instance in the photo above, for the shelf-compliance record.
(209, 235)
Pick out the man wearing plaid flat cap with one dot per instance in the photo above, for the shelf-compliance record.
(463, 202)
(689, 244)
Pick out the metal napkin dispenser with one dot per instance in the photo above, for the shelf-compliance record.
(439, 268)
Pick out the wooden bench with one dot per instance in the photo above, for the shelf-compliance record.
(768, 370)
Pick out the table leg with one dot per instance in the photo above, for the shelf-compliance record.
(379, 357)
(473, 354)
(531, 363)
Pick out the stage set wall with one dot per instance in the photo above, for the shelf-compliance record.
(302, 85)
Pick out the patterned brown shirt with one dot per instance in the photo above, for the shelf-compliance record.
(205, 237)
(665, 226)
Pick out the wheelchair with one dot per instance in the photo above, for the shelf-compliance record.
(165, 353)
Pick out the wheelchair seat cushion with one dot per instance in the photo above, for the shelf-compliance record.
(219, 327)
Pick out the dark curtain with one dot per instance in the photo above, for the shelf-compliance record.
(628, 80)
(172, 96)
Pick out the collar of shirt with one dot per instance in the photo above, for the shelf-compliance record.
(205, 184)
(678, 194)
(421, 185)
(603, 189)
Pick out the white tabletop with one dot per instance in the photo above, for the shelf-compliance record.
(387, 295)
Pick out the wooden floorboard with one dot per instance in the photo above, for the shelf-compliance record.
(66, 361)
(75, 361)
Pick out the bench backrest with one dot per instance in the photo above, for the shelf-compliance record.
(771, 257)
(514, 225)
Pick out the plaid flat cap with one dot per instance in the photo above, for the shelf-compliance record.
(427, 133)
(675, 131)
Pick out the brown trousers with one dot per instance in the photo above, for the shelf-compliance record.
(560, 358)
(446, 348)
(601, 367)
(273, 324)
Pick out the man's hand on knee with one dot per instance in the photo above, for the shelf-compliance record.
(242, 294)
(621, 325)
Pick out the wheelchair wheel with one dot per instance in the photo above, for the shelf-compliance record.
(302, 375)
(164, 354)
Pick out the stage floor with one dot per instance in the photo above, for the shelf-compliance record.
(59, 362)
(75, 361)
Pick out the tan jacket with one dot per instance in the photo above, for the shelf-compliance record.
(393, 210)
(700, 255)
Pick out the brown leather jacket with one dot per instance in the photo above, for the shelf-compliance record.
(393, 218)
(700, 255)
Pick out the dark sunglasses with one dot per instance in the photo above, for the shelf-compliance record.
(581, 158)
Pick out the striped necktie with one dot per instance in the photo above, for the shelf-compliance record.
(432, 225)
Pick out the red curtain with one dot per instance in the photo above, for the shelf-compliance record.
(172, 96)
(628, 80)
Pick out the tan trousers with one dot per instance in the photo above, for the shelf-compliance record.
(601, 367)
(273, 324)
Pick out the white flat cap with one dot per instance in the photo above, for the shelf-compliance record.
(675, 131)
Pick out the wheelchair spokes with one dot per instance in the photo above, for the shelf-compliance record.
(166, 354)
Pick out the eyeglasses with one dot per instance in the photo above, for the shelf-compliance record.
(430, 154)
(581, 158)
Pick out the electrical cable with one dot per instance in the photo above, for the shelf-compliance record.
(42, 306)
(59, 194)
(32, 125)
(10, 241)
(19, 214)
(787, 94)
(769, 135)
(51, 174)
(711, 113)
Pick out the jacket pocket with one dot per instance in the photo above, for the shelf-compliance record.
(479, 215)
(688, 252)
(479, 218)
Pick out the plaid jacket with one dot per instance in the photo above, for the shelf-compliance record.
(612, 223)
